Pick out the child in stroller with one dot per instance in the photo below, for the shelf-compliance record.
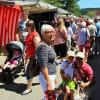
(14, 61)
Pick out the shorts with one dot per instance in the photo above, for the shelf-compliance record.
(71, 84)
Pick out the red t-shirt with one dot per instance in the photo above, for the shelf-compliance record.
(85, 70)
(30, 47)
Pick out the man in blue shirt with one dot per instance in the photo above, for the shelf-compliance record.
(22, 28)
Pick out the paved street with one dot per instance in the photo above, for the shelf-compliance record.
(95, 63)
(12, 91)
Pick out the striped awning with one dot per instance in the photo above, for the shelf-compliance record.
(9, 16)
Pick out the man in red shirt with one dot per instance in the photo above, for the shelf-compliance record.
(83, 73)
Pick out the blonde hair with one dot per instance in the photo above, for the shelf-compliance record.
(61, 26)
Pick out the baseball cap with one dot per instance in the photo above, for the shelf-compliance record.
(71, 53)
(80, 55)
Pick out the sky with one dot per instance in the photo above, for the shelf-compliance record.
(89, 3)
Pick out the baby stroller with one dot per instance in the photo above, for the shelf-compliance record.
(9, 74)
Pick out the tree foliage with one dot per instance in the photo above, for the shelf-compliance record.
(88, 12)
(69, 5)
(54, 2)
(91, 13)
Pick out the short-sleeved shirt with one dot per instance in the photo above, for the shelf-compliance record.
(59, 36)
(98, 28)
(86, 70)
(22, 25)
(30, 47)
(74, 27)
(92, 29)
(22, 28)
(68, 68)
(69, 33)
(82, 36)
(46, 57)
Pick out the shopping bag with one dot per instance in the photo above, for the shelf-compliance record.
(79, 94)
(87, 45)
(51, 95)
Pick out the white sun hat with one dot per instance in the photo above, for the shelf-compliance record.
(71, 53)
(80, 55)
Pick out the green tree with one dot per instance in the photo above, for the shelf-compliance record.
(91, 13)
(54, 2)
(71, 6)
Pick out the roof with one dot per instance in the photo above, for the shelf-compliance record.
(62, 11)
(35, 6)
(41, 7)
(19, 2)
(48, 7)
(40, 10)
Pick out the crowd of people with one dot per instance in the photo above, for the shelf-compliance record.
(68, 39)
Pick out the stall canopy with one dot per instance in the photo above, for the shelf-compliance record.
(10, 13)
(9, 16)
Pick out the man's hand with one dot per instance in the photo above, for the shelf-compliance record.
(82, 84)
(49, 89)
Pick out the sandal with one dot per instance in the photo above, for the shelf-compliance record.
(0, 70)
(26, 92)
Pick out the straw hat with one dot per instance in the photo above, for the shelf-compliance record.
(80, 55)
(71, 53)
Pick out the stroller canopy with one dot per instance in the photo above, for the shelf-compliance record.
(15, 45)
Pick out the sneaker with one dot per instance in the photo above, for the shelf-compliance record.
(98, 53)
(26, 92)
(94, 53)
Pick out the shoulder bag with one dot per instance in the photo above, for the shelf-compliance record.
(87, 44)
(33, 67)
